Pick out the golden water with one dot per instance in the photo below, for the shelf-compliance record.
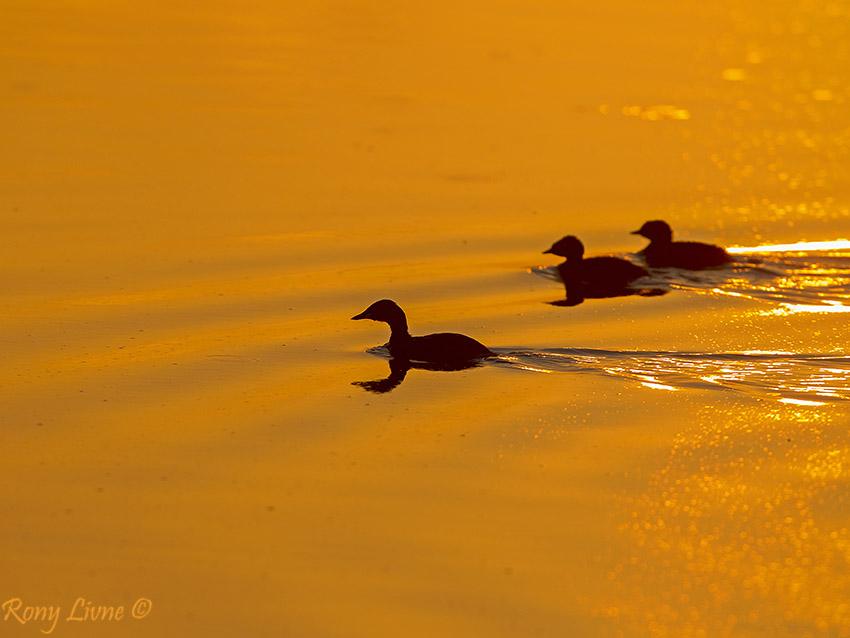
(195, 198)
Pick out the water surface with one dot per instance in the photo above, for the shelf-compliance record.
(194, 202)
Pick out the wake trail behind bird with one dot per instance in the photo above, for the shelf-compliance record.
(803, 379)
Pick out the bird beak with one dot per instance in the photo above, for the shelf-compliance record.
(362, 315)
(636, 232)
(548, 252)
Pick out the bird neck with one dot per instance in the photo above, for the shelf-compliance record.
(661, 241)
(398, 329)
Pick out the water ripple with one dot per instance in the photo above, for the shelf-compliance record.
(801, 379)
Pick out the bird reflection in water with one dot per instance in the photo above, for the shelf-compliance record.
(399, 369)
(577, 293)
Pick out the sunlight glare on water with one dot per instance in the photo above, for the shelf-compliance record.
(800, 246)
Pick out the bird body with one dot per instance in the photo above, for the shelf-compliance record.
(601, 272)
(663, 252)
(593, 273)
(438, 347)
(446, 348)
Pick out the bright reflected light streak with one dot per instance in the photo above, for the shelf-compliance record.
(763, 352)
(836, 244)
(801, 402)
(728, 293)
(796, 308)
(658, 386)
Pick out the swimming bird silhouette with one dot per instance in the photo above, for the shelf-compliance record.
(442, 348)
(663, 252)
(594, 274)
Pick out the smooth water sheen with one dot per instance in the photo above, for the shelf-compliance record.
(195, 199)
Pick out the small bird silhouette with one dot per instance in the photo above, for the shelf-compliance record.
(597, 274)
(446, 348)
(663, 252)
